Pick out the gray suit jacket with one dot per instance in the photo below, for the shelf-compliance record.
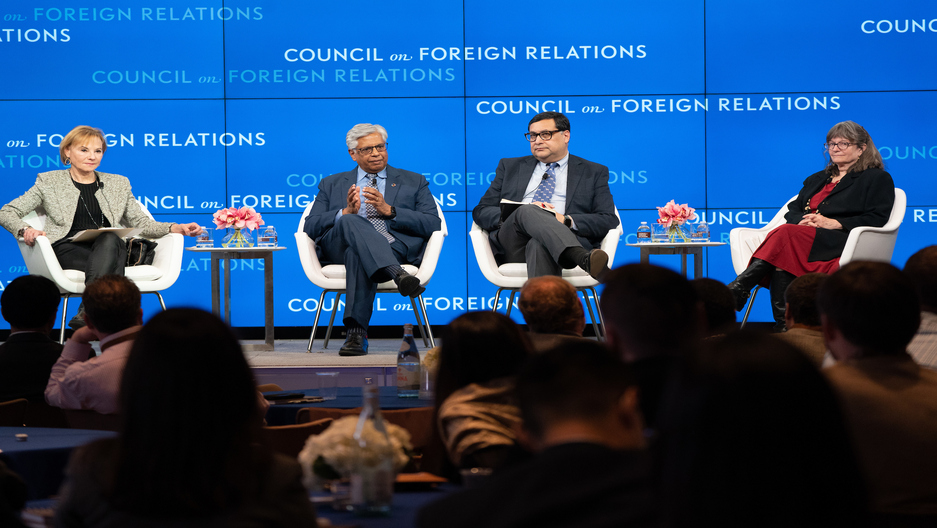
(55, 196)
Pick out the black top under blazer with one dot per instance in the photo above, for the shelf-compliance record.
(862, 198)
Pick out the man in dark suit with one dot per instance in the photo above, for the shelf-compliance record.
(29, 303)
(580, 415)
(571, 206)
(372, 219)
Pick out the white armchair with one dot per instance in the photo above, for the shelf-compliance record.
(163, 273)
(331, 278)
(512, 276)
(864, 243)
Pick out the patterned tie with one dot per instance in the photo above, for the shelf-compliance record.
(545, 190)
(371, 212)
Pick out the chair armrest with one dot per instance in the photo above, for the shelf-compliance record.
(484, 255)
(308, 258)
(168, 259)
(430, 257)
(870, 243)
(40, 259)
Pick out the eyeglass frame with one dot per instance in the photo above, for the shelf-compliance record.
(540, 135)
(366, 151)
(841, 146)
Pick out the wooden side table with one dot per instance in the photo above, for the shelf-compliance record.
(227, 254)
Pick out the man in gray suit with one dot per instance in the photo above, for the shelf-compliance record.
(571, 208)
(372, 219)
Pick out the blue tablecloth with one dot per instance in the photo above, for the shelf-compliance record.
(41, 459)
(402, 513)
(348, 398)
(403, 510)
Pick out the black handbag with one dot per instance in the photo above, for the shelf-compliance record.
(140, 251)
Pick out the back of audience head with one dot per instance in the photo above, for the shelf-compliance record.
(30, 302)
(752, 435)
(801, 299)
(868, 309)
(551, 306)
(583, 390)
(718, 303)
(649, 311)
(112, 304)
(921, 268)
(479, 347)
(190, 411)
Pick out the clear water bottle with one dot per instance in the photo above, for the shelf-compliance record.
(408, 366)
(204, 239)
(702, 231)
(372, 476)
(268, 238)
(644, 233)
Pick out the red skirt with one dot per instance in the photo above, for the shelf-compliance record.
(788, 246)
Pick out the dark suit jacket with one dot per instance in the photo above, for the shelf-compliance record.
(588, 198)
(26, 361)
(860, 199)
(582, 485)
(406, 191)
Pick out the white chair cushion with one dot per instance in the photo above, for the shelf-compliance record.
(134, 273)
(519, 270)
(336, 271)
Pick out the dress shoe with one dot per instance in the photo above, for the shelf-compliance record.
(595, 263)
(355, 345)
(79, 320)
(743, 285)
(408, 285)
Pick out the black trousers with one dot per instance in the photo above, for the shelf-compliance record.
(533, 235)
(105, 255)
(354, 242)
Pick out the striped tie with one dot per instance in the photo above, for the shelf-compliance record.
(545, 190)
(371, 212)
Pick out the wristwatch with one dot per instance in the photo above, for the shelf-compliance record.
(393, 213)
(568, 221)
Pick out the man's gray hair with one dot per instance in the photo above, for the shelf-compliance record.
(360, 130)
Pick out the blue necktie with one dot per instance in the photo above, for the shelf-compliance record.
(371, 212)
(545, 190)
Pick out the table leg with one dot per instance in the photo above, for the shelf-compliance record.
(215, 286)
(268, 299)
(683, 263)
(227, 289)
(645, 255)
(697, 263)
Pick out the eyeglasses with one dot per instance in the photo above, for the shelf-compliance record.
(843, 145)
(545, 135)
(366, 151)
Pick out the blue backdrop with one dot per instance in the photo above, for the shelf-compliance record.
(722, 105)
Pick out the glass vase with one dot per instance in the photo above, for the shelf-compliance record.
(238, 238)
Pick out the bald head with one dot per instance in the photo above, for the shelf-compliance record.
(551, 306)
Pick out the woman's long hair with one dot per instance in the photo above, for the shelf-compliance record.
(870, 157)
(190, 416)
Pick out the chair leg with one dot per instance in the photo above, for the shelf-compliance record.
(328, 333)
(64, 311)
(160, 297)
(428, 330)
(315, 323)
(494, 307)
(595, 324)
(419, 322)
(751, 302)
(511, 303)
(598, 320)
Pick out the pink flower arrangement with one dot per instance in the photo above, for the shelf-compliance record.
(674, 213)
(238, 218)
